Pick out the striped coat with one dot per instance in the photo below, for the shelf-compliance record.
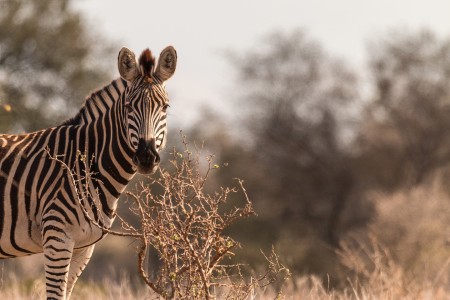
(47, 178)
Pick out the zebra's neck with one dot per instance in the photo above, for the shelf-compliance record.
(98, 103)
(102, 138)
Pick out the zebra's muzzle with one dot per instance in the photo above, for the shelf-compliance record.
(146, 158)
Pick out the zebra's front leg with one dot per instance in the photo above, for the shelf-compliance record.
(80, 259)
(58, 248)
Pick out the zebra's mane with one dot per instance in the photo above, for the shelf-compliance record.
(94, 99)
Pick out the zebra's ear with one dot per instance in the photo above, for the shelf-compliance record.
(167, 63)
(127, 64)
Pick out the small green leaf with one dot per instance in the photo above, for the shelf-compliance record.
(172, 276)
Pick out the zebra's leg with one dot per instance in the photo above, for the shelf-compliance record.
(57, 256)
(80, 259)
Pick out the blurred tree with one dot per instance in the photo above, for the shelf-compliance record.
(407, 124)
(299, 104)
(312, 153)
(47, 65)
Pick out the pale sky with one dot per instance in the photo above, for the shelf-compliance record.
(203, 30)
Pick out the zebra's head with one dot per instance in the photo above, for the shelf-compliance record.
(145, 103)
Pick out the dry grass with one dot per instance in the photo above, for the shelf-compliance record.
(372, 273)
(14, 288)
(379, 286)
(414, 225)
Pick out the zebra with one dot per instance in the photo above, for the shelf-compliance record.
(120, 130)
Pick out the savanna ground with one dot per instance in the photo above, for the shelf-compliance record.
(415, 266)
(382, 279)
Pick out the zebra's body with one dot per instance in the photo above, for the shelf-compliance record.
(48, 202)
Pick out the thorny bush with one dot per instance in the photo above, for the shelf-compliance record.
(185, 226)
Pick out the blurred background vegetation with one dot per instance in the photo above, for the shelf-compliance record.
(327, 153)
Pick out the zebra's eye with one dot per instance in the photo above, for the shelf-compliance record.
(165, 107)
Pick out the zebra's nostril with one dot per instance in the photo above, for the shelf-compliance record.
(146, 157)
(149, 158)
(146, 151)
(146, 162)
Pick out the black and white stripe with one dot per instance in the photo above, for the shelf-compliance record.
(43, 175)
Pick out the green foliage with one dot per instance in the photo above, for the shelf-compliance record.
(47, 64)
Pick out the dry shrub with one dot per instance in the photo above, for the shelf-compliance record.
(185, 226)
